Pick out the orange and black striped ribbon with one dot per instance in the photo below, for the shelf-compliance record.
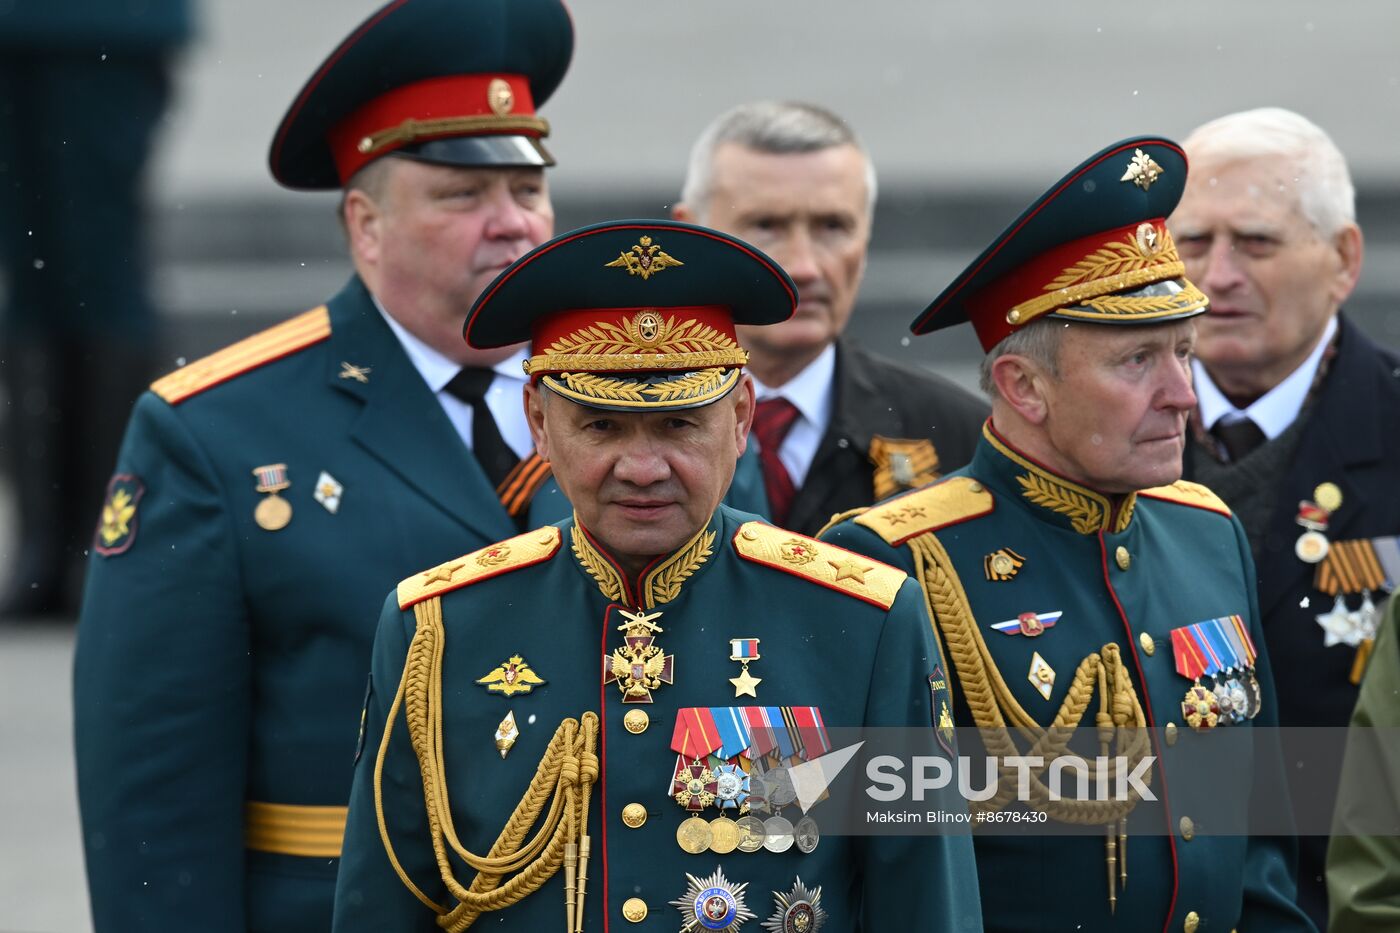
(1350, 567)
(521, 484)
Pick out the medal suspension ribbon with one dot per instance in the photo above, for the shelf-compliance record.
(993, 706)
(564, 780)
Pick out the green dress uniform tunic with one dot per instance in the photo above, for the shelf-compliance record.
(1004, 537)
(838, 632)
(220, 667)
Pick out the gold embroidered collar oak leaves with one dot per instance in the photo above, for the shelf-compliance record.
(659, 585)
(1089, 512)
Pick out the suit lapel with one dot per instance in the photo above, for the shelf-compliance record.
(1339, 438)
(401, 424)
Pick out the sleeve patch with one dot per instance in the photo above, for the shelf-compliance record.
(116, 526)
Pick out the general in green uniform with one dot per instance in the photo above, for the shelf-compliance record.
(1075, 582)
(563, 727)
(266, 496)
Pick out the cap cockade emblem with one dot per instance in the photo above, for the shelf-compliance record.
(1142, 171)
(645, 259)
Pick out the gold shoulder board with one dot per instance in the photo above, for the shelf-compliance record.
(833, 567)
(533, 547)
(953, 500)
(1187, 493)
(258, 350)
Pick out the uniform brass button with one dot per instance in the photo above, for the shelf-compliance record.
(1188, 829)
(634, 910)
(634, 815)
(1124, 559)
(1148, 645)
(636, 721)
(975, 487)
(1171, 733)
(1193, 921)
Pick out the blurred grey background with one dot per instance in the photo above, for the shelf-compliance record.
(969, 110)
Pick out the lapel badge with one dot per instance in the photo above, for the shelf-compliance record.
(1002, 564)
(328, 490)
(1042, 675)
(1029, 624)
(116, 528)
(713, 903)
(744, 650)
(512, 676)
(902, 464)
(506, 734)
(273, 513)
(358, 373)
(639, 666)
(798, 911)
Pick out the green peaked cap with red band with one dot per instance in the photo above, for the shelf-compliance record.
(634, 315)
(1093, 248)
(453, 82)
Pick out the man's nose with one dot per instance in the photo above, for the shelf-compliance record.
(641, 463)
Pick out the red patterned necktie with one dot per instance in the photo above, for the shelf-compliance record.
(772, 420)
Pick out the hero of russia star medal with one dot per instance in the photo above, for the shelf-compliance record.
(713, 903)
(744, 650)
(639, 666)
(273, 512)
(512, 676)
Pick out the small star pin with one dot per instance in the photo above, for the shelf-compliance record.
(848, 568)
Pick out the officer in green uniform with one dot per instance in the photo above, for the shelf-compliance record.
(266, 496)
(563, 726)
(1074, 581)
(1363, 858)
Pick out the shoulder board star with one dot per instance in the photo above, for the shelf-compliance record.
(258, 350)
(1187, 493)
(525, 550)
(833, 567)
(956, 499)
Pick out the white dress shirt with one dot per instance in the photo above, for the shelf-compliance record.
(504, 398)
(811, 392)
(1276, 409)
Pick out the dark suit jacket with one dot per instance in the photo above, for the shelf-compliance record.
(874, 395)
(1352, 438)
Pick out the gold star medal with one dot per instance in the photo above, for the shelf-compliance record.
(744, 650)
(272, 513)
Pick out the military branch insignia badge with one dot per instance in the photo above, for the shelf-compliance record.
(902, 464)
(116, 526)
(639, 666)
(798, 911)
(512, 676)
(645, 259)
(942, 709)
(1029, 624)
(358, 373)
(272, 513)
(1142, 171)
(328, 492)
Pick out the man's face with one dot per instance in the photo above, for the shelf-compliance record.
(1115, 418)
(443, 234)
(1272, 281)
(642, 483)
(808, 211)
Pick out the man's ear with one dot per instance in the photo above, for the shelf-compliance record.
(1022, 384)
(534, 417)
(364, 226)
(1350, 247)
(744, 407)
(682, 212)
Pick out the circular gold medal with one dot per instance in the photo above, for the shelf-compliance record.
(1311, 547)
(273, 513)
(694, 835)
(724, 835)
(1328, 495)
(751, 834)
(1001, 564)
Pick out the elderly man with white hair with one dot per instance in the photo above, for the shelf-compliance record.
(1298, 422)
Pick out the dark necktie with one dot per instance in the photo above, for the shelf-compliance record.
(1238, 438)
(489, 448)
(772, 420)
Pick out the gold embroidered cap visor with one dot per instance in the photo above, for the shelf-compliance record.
(1093, 248)
(634, 315)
